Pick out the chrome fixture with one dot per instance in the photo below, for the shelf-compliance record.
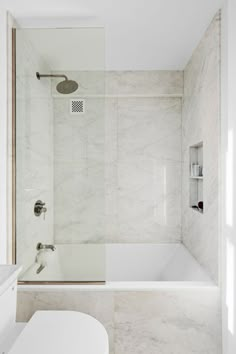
(40, 268)
(65, 87)
(39, 208)
(40, 247)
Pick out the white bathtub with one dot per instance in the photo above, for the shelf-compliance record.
(133, 263)
(156, 297)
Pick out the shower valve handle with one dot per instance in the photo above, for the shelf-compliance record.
(39, 208)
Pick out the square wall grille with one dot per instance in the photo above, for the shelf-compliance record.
(77, 106)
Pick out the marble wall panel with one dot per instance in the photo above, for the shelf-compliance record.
(149, 169)
(201, 122)
(79, 192)
(144, 83)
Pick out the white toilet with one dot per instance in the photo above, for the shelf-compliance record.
(48, 332)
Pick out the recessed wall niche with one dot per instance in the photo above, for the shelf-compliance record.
(196, 174)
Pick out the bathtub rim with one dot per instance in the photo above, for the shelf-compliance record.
(118, 286)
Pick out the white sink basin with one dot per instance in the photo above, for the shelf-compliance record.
(8, 273)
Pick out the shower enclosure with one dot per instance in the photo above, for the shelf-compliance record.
(59, 160)
(104, 183)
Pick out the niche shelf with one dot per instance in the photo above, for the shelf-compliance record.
(196, 177)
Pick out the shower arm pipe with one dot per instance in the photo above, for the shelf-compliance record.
(38, 75)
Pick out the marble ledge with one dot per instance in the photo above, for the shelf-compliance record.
(172, 95)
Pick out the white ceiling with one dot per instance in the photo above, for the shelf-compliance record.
(140, 34)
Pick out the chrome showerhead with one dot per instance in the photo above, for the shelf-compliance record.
(67, 86)
(64, 87)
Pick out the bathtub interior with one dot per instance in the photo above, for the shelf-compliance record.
(152, 262)
(123, 263)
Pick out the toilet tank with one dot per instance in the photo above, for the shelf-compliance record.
(8, 293)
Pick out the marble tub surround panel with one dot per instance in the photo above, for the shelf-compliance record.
(168, 321)
(124, 83)
(34, 159)
(201, 122)
(180, 321)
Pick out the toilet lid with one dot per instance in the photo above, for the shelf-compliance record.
(62, 332)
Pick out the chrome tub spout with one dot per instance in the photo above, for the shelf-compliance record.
(40, 246)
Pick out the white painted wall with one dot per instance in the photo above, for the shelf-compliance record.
(228, 176)
(6, 23)
(3, 135)
(140, 35)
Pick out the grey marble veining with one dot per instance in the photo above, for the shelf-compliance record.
(168, 321)
(149, 169)
(79, 187)
(144, 83)
(201, 122)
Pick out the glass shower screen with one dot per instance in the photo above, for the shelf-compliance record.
(59, 145)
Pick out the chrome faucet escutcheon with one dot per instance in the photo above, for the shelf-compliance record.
(39, 208)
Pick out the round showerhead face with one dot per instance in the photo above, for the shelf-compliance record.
(67, 86)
